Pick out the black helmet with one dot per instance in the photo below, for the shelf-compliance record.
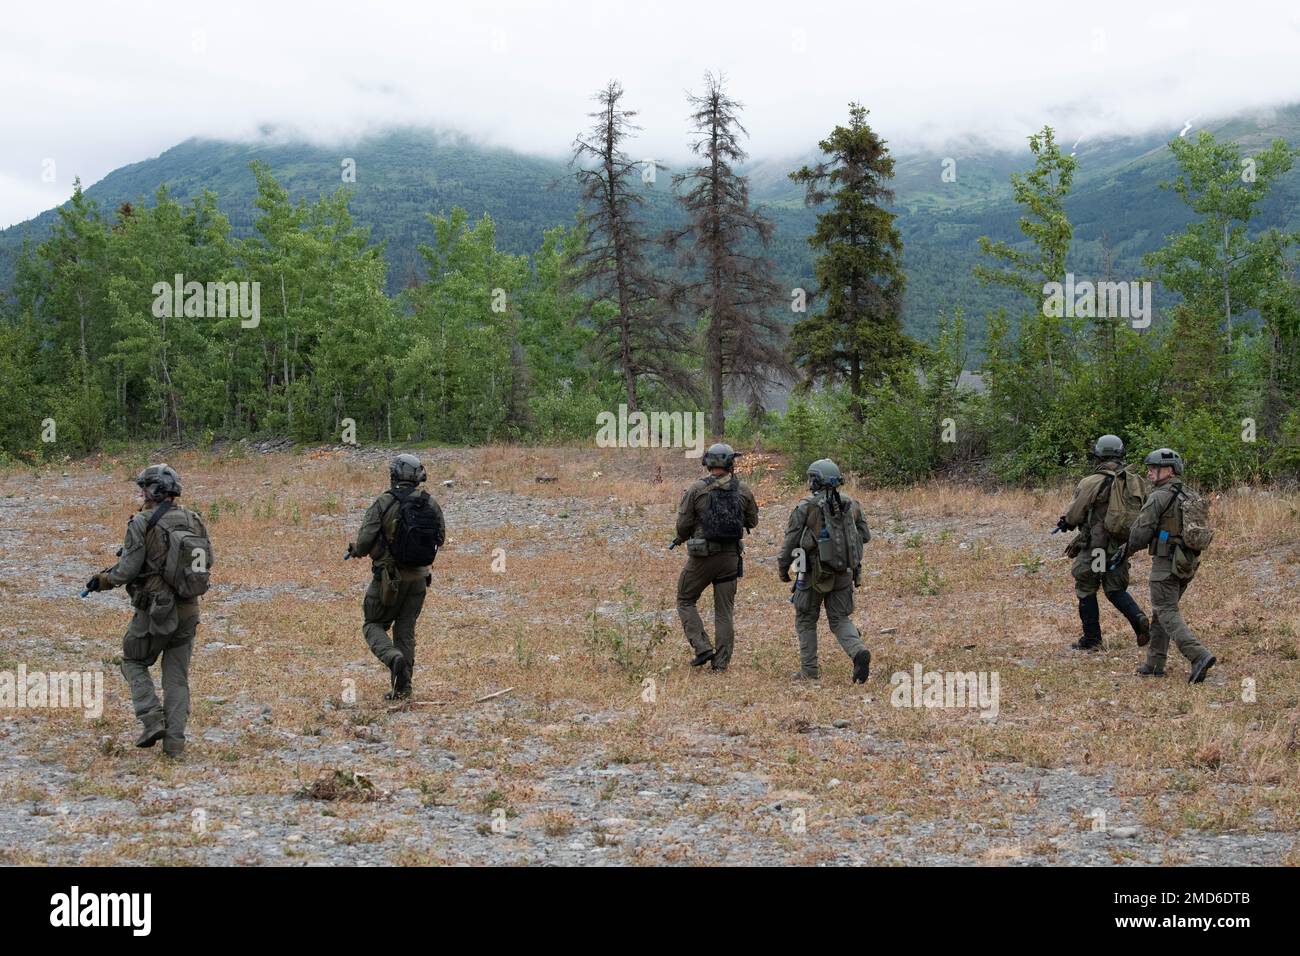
(824, 473)
(159, 482)
(1166, 458)
(720, 456)
(407, 468)
(1109, 446)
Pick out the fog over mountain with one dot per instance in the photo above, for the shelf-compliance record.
(98, 87)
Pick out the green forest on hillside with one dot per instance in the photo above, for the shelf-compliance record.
(1118, 210)
(441, 298)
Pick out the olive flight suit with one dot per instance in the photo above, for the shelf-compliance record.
(163, 625)
(720, 567)
(396, 593)
(822, 586)
(1088, 513)
(1173, 566)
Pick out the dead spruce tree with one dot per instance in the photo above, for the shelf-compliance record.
(727, 279)
(642, 338)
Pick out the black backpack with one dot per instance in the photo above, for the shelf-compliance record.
(418, 531)
(723, 519)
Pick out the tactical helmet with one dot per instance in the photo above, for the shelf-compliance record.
(824, 473)
(1109, 446)
(1166, 458)
(720, 456)
(159, 481)
(407, 468)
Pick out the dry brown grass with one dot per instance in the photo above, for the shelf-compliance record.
(1002, 603)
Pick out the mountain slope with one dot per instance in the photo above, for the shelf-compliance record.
(1117, 207)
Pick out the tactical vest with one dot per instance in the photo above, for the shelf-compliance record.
(1171, 520)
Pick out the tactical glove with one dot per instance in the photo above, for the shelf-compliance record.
(1119, 557)
(1062, 525)
(785, 575)
(93, 583)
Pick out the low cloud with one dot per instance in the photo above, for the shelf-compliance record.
(95, 86)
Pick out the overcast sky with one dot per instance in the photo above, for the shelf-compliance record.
(96, 85)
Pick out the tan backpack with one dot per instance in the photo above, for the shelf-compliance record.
(1127, 492)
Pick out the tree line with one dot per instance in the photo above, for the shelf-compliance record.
(489, 346)
(1217, 378)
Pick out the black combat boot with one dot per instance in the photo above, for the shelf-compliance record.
(154, 729)
(400, 674)
(1140, 623)
(1090, 616)
(703, 657)
(1143, 630)
(861, 666)
(1149, 670)
(1200, 666)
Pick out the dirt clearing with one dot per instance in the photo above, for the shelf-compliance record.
(606, 748)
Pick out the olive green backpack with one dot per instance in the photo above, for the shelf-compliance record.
(188, 562)
(1127, 492)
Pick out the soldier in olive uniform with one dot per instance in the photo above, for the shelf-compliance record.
(1159, 528)
(1088, 514)
(818, 584)
(715, 513)
(164, 624)
(396, 592)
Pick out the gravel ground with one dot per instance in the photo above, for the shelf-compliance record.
(445, 779)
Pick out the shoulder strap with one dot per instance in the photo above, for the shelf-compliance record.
(154, 518)
(1178, 493)
(1104, 490)
(806, 505)
(158, 512)
(383, 517)
(1101, 494)
(823, 510)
